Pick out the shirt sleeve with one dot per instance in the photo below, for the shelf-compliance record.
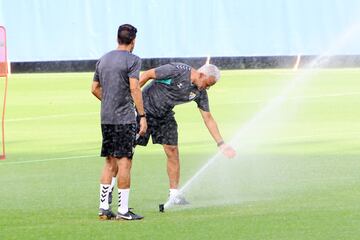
(203, 101)
(134, 70)
(97, 74)
(166, 71)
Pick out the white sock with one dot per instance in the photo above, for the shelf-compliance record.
(173, 192)
(123, 206)
(104, 196)
(113, 181)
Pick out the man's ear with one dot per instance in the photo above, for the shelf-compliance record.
(202, 75)
(132, 44)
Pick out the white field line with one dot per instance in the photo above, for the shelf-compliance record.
(94, 113)
(50, 117)
(327, 95)
(309, 97)
(305, 137)
(328, 136)
(293, 138)
(47, 159)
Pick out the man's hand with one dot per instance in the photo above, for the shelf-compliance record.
(143, 126)
(227, 150)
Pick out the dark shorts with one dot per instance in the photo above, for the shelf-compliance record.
(161, 130)
(118, 140)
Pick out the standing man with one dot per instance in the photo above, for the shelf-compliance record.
(116, 85)
(174, 84)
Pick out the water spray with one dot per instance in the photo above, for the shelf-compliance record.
(243, 131)
(207, 60)
(297, 62)
(272, 104)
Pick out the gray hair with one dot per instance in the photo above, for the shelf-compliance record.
(210, 70)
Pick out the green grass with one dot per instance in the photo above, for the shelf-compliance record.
(296, 175)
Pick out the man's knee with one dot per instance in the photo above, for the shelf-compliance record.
(171, 151)
(111, 165)
(124, 164)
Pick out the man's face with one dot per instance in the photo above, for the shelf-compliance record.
(206, 81)
(210, 81)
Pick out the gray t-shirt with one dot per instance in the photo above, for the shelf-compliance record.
(113, 71)
(172, 87)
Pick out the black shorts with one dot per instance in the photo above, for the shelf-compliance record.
(118, 140)
(161, 130)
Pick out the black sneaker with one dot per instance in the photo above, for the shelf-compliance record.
(128, 216)
(106, 214)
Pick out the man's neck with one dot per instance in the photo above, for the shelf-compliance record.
(124, 47)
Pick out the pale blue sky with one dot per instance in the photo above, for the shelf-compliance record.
(42, 30)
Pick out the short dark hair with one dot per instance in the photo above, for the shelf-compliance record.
(126, 34)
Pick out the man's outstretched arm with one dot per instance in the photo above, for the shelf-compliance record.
(215, 133)
(146, 76)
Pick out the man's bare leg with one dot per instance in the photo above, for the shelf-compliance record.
(173, 170)
(173, 165)
(108, 171)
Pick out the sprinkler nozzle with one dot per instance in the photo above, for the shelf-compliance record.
(161, 207)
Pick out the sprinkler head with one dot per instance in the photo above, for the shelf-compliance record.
(161, 207)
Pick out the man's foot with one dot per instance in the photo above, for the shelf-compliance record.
(128, 216)
(178, 200)
(106, 214)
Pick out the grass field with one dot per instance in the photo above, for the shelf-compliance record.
(297, 177)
